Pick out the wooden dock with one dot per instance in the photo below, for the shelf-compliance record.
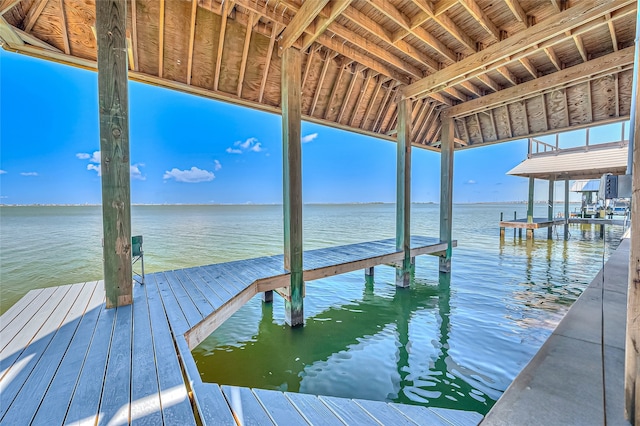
(65, 359)
(537, 223)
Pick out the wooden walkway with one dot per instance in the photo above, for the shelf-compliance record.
(538, 223)
(65, 359)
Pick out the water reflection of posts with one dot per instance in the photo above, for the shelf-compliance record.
(552, 184)
(530, 206)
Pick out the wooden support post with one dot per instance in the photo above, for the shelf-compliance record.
(403, 192)
(446, 189)
(632, 344)
(292, 183)
(267, 296)
(368, 272)
(566, 209)
(111, 24)
(552, 184)
(502, 227)
(532, 183)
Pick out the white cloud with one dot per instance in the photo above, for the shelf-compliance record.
(257, 147)
(136, 173)
(83, 156)
(250, 144)
(194, 175)
(95, 167)
(470, 182)
(29, 173)
(309, 138)
(2, 172)
(216, 165)
(3, 196)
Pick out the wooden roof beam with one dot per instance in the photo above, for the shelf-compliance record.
(272, 42)
(333, 44)
(456, 94)
(245, 50)
(33, 15)
(551, 54)
(478, 14)
(489, 82)
(8, 33)
(363, 90)
(529, 66)
(65, 29)
(134, 36)
(612, 31)
(403, 21)
(567, 76)
(161, 40)
(7, 5)
(518, 12)
(300, 22)
(580, 46)
(471, 88)
(504, 71)
(443, 5)
(336, 7)
(513, 47)
(192, 32)
(223, 29)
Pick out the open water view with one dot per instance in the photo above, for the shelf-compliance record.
(454, 341)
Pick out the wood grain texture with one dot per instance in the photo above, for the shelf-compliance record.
(292, 181)
(114, 148)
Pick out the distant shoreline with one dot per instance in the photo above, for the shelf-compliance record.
(279, 204)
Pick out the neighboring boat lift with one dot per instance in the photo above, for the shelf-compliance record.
(549, 162)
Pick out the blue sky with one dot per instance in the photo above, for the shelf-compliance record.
(186, 149)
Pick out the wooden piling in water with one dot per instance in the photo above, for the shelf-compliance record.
(566, 209)
(369, 272)
(111, 23)
(530, 206)
(502, 227)
(446, 189)
(403, 192)
(292, 183)
(552, 184)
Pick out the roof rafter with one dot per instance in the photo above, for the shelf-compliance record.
(513, 47)
(478, 14)
(444, 5)
(161, 40)
(323, 22)
(333, 44)
(33, 15)
(223, 29)
(518, 12)
(245, 51)
(192, 31)
(65, 29)
(272, 42)
(561, 78)
(300, 22)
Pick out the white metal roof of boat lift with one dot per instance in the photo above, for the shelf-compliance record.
(584, 185)
(582, 163)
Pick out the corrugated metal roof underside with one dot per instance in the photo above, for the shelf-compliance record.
(590, 164)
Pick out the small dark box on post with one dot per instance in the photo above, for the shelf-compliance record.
(611, 187)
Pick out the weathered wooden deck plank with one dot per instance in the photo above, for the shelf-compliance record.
(19, 307)
(245, 406)
(86, 396)
(27, 400)
(280, 409)
(350, 412)
(53, 409)
(313, 410)
(216, 293)
(20, 332)
(176, 408)
(420, 415)
(382, 412)
(458, 417)
(195, 294)
(188, 306)
(21, 366)
(205, 288)
(212, 406)
(116, 392)
(178, 321)
(145, 398)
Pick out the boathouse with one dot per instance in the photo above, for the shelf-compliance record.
(441, 75)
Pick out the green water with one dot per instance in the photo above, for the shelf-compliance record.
(456, 343)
